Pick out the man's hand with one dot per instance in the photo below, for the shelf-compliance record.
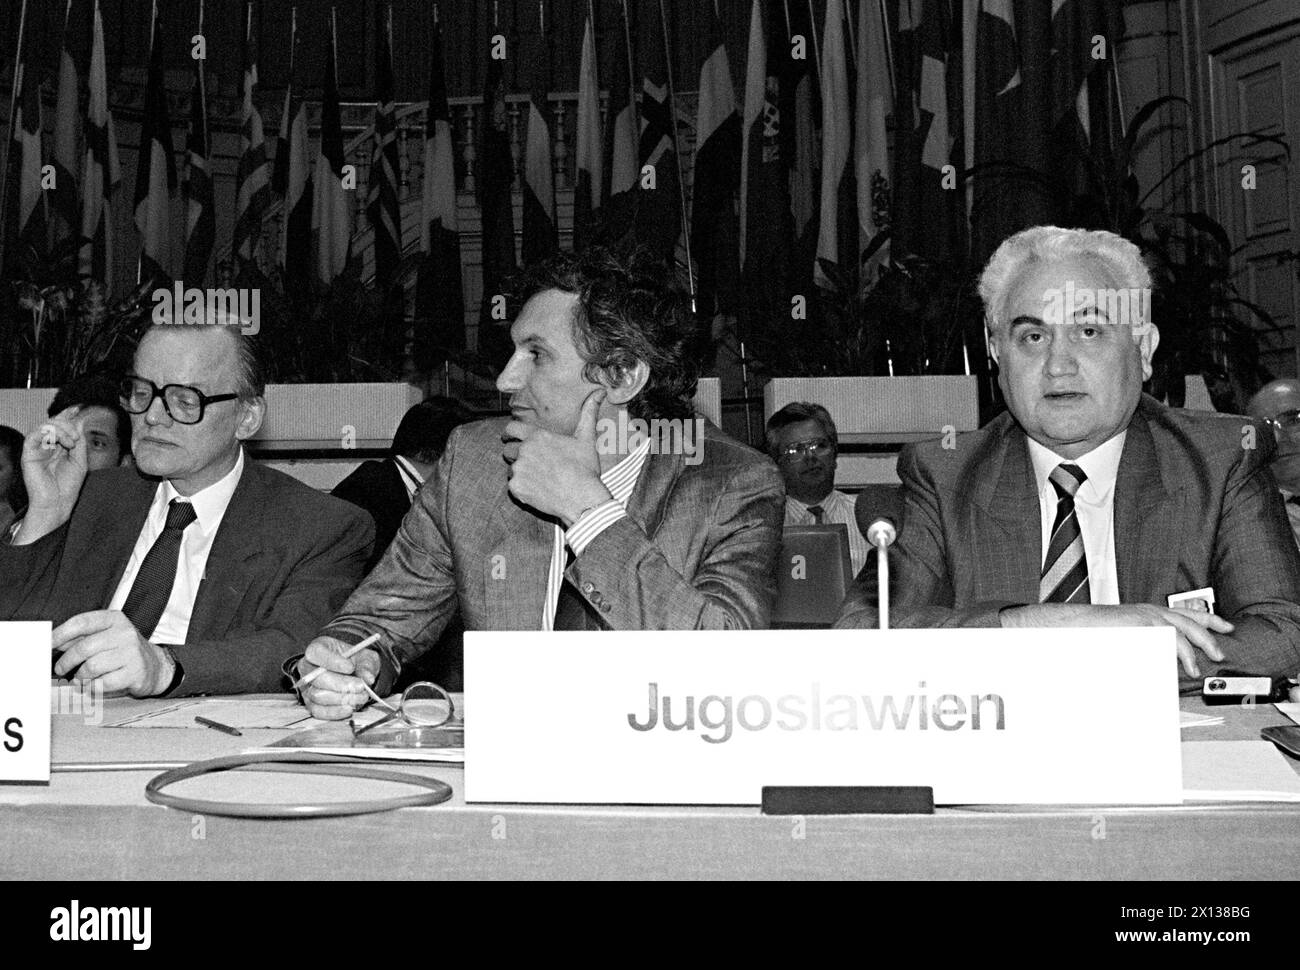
(558, 475)
(103, 646)
(1195, 629)
(54, 467)
(341, 690)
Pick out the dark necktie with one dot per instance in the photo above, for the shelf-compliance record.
(818, 514)
(153, 584)
(1065, 567)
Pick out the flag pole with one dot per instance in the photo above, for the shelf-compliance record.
(9, 139)
(889, 51)
(848, 29)
(153, 30)
(677, 156)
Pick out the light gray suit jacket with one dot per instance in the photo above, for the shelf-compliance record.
(697, 550)
(1195, 506)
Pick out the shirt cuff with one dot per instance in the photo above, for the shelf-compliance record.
(592, 523)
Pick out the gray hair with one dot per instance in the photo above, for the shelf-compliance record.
(1120, 259)
(250, 375)
(796, 413)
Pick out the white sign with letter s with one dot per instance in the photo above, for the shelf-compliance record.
(703, 717)
(25, 702)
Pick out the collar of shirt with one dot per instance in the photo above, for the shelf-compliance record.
(831, 500)
(411, 478)
(1101, 465)
(622, 478)
(209, 503)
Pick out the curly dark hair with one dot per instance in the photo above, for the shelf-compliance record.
(629, 309)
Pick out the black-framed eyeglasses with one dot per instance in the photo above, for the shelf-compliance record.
(183, 404)
(818, 447)
(1286, 422)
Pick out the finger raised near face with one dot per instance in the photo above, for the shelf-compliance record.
(518, 431)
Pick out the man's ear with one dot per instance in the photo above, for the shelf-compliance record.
(630, 382)
(251, 415)
(1147, 344)
(992, 338)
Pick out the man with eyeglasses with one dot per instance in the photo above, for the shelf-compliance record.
(802, 440)
(196, 572)
(1278, 404)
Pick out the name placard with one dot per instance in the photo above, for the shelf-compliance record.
(25, 702)
(709, 718)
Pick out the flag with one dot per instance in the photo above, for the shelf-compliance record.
(541, 238)
(1085, 35)
(766, 222)
(496, 177)
(714, 229)
(999, 204)
(590, 159)
(870, 154)
(799, 106)
(65, 204)
(382, 207)
(155, 180)
(439, 291)
(253, 177)
(624, 137)
(100, 170)
(658, 210)
(836, 138)
(928, 201)
(30, 219)
(291, 178)
(331, 217)
(200, 212)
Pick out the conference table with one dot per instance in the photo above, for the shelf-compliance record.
(91, 823)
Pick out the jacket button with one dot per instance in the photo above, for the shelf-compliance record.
(587, 588)
(604, 607)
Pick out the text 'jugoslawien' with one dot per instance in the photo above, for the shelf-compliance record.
(839, 712)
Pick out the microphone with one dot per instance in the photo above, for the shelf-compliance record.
(881, 534)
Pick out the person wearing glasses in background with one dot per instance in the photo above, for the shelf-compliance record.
(1278, 403)
(802, 440)
(195, 572)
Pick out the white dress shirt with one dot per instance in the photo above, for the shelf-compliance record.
(209, 508)
(1094, 504)
(620, 480)
(837, 507)
(410, 476)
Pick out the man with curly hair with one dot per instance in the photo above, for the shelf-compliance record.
(559, 518)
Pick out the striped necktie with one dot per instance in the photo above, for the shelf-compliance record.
(1065, 567)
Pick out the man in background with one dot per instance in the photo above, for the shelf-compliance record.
(802, 440)
(386, 488)
(106, 424)
(1278, 404)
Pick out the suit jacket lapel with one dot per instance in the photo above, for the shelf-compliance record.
(1008, 499)
(114, 532)
(1146, 515)
(517, 560)
(226, 577)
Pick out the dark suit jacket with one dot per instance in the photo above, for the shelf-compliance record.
(283, 561)
(697, 550)
(1195, 506)
(377, 487)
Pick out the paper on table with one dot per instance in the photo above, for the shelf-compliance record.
(445, 744)
(1187, 719)
(236, 712)
(1236, 771)
(1291, 710)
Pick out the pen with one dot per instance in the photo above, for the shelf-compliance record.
(218, 726)
(311, 677)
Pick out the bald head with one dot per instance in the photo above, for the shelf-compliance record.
(1274, 398)
(1278, 403)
